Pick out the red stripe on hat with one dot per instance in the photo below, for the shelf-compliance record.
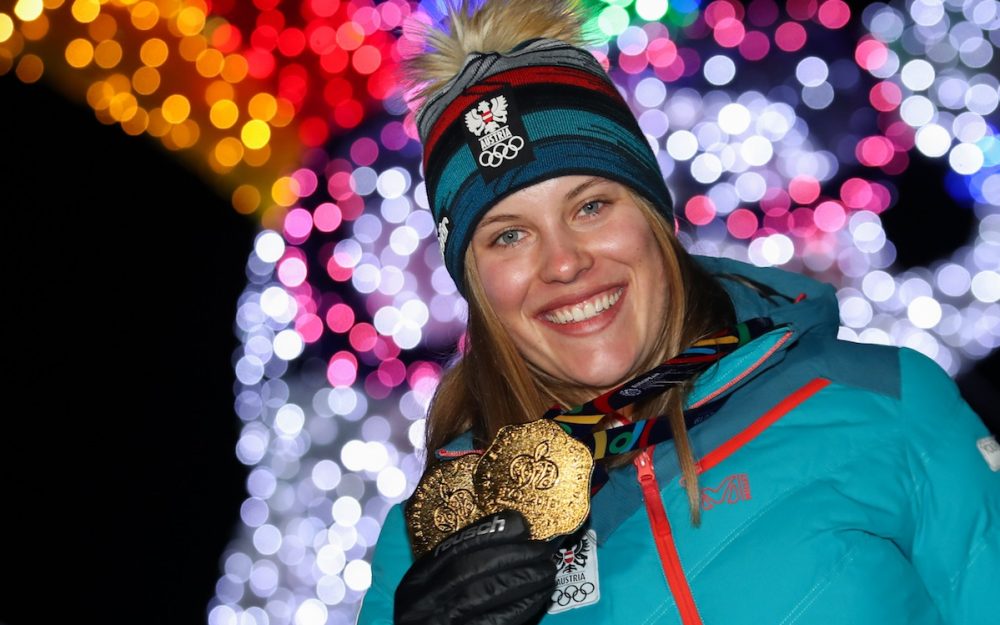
(518, 77)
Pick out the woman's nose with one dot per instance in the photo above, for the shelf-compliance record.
(564, 257)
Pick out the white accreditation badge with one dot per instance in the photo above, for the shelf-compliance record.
(577, 584)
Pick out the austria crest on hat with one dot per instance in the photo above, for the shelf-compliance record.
(496, 134)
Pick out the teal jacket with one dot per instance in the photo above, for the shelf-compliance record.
(841, 483)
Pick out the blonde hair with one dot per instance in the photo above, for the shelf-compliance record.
(493, 385)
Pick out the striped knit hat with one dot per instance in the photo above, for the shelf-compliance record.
(508, 121)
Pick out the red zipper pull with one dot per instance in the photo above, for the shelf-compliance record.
(644, 465)
(651, 491)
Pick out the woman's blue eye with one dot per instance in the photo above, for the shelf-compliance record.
(509, 237)
(592, 208)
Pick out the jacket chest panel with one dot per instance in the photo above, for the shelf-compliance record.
(798, 519)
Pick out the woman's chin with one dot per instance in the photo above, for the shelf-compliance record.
(591, 383)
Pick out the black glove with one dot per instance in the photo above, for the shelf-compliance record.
(490, 572)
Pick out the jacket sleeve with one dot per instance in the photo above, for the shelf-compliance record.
(956, 495)
(393, 558)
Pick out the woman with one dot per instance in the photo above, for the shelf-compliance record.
(750, 467)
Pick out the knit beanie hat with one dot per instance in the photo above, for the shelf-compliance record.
(543, 108)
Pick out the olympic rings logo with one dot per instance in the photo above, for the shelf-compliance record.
(496, 155)
(572, 594)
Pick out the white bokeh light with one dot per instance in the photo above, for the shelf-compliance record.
(917, 110)
(269, 246)
(358, 575)
(924, 312)
(682, 145)
(917, 74)
(966, 158)
(311, 612)
(288, 344)
(734, 118)
(719, 70)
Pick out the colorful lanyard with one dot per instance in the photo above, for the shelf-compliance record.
(579, 422)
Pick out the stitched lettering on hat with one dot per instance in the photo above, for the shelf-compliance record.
(496, 134)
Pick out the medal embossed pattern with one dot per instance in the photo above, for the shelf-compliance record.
(534, 468)
(443, 502)
(540, 471)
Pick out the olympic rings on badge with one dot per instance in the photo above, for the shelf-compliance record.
(572, 594)
(496, 155)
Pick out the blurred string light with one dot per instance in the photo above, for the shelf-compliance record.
(937, 93)
(237, 88)
(782, 131)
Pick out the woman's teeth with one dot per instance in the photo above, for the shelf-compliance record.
(584, 310)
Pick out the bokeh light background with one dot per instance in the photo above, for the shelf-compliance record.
(783, 130)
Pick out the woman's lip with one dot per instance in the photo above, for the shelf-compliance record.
(573, 300)
(588, 326)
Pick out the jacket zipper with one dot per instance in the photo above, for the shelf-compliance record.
(663, 537)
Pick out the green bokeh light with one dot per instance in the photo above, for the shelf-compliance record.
(613, 20)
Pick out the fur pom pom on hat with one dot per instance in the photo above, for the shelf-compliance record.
(512, 99)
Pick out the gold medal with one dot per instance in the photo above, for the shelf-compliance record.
(443, 502)
(535, 468)
(540, 471)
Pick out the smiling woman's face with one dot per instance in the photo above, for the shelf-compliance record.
(574, 273)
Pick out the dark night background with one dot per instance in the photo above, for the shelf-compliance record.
(120, 483)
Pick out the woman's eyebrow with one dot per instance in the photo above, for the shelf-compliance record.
(582, 187)
(494, 219)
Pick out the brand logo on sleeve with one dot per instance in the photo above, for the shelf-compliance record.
(990, 449)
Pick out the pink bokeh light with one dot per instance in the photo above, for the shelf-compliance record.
(871, 53)
(856, 193)
(801, 9)
(834, 14)
(292, 272)
(298, 224)
(661, 52)
(729, 32)
(309, 327)
(327, 217)
(790, 36)
(338, 272)
(829, 216)
(363, 337)
(700, 210)
(343, 369)
(885, 96)
(755, 45)
(391, 372)
(742, 223)
(340, 318)
(874, 151)
(803, 189)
